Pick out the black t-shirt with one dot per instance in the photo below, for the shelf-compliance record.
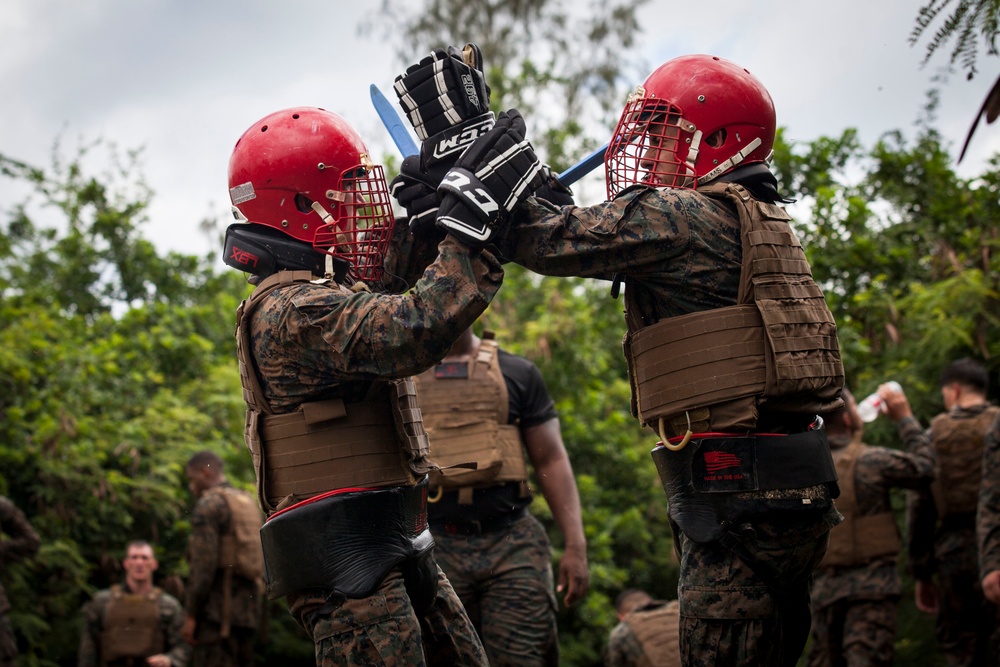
(529, 405)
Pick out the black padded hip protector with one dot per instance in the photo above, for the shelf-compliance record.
(346, 543)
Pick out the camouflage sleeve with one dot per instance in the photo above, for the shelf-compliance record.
(641, 230)
(309, 334)
(172, 622)
(20, 541)
(917, 466)
(210, 512)
(988, 514)
(921, 524)
(623, 649)
(407, 257)
(87, 654)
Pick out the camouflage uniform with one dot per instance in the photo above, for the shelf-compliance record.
(988, 514)
(504, 579)
(171, 621)
(497, 557)
(206, 598)
(944, 550)
(20, 542)
(626, 649)
(680, 252)
(854, 606)
(311, 342)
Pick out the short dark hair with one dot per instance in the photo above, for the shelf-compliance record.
(205, 459)
(968, 372)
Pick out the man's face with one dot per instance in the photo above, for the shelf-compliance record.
(659, 160)
(139, 563)
(198, 480)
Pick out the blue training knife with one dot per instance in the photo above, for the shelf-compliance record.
(399, 133)
(583, 167)
(405, 144)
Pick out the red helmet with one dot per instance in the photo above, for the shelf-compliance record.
(305, 172)
(695, 118)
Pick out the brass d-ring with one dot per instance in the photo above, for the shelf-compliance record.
(436, 497)
(684, 441)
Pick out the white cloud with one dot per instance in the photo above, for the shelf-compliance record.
(184, 79)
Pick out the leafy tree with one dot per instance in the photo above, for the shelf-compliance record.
(967, 18)
(116, 364)
(907, 252)
(530, 54)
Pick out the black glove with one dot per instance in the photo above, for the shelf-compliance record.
(445, 89)
(446, 100)
(553, 189)
(416, 191)
(495, 174)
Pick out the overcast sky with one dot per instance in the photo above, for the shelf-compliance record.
(183, 79)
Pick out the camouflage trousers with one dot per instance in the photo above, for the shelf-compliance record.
(854, 633)
(212, 650)
(383, 630)
(504, 579)
(731, 614)
(966, 625)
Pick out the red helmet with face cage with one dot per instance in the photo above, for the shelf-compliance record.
(695, 118)
(305, 172)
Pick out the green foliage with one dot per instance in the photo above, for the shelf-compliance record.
(529, 54)
(968, 18)
(116, 364)
(907, 254)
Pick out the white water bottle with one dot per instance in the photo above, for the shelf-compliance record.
(870, 408)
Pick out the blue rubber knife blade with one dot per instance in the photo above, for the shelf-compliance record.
(393, 123)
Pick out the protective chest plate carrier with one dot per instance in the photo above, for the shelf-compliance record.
(958, 441)
(858, 539)
(776, 348)
(239, 547)
(466, 420)
(329, 444)
(656, 630)
(131, 626)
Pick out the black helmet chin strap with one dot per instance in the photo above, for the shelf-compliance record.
(261, 251)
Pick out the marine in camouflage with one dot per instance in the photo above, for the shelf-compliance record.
(171, 620)
(206, 598)
(680, 252)
(988, 514)
(988, 523)
(943, 556)
(310, 342)
(626, 648)
(854, 606)
(496, 555)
